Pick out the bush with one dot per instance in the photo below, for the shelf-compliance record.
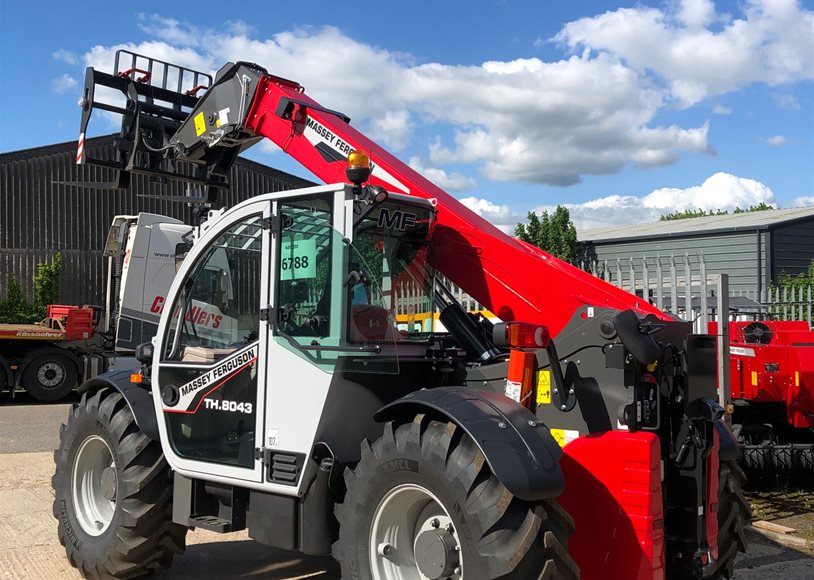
(17, 310)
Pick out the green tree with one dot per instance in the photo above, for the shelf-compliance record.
(801, 280)
(554, 233)
(694, 213)
(690, 213)
(791, 286)
(46, 285)
(762, 206)
(16, 309)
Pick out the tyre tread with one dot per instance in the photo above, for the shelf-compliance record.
(146, 539)
(515, 539)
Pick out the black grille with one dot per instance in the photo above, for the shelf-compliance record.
(284, 468)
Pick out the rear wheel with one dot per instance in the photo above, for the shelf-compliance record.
(113, 492)
(50, 376)
(734, 515)
(423, 503)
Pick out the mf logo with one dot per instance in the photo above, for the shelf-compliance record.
(400, 220)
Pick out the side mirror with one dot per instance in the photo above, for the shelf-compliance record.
(144, 353)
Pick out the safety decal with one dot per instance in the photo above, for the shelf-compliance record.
(543, 387)
(564, 436)
(200, 124)
(223, 117)
(80, 149)
(192, 394)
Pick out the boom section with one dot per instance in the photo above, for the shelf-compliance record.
(512, 279)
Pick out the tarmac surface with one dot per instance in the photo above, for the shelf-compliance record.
(29, 548)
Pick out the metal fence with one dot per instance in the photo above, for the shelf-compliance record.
(681, 285)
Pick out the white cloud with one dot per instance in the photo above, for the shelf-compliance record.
(776, 140)
(522, 120)
(62, 84)
(803, 201)
(65, 56)
(696, 14)
(771, 43)
(452, 182)
(785, 101)
(392, 128)
(721, 110)
(501, 216)
(721, 191)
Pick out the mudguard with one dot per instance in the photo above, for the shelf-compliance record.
(137, 395)
(520, 451)
(729, 444)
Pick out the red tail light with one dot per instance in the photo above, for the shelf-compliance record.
(523, 335)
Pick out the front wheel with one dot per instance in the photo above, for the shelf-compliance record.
(112, 492)
(423, 503)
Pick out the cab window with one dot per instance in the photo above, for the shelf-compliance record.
(217, 311)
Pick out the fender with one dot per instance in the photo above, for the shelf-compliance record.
(520, 451)
(729, 445)
(18, 377)
(712, 411)
(138, 398)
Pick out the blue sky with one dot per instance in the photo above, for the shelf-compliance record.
(620, 110)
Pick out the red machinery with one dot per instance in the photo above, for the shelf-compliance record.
(772, 390)
(648, 490)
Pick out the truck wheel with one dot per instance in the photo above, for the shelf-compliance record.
(50, 377)
(734, 514)
(113, 492)
(423, 503)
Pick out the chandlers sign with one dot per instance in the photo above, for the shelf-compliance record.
(195, 391)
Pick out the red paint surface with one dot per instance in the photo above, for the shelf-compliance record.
(514, 280)
(613, 492)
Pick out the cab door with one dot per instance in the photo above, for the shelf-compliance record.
(208, 373)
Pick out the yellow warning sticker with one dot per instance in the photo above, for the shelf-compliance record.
(543, 387)
(796, 378)
(754, 378)
(564, 436)
(200, 124)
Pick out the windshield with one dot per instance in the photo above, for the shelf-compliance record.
(391, 247)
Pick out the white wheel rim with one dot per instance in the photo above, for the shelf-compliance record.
(50, 374)
(94, 485)
(403, 514)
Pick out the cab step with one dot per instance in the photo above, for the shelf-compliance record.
(211, 523)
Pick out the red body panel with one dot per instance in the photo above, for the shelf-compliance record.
(613, 491)
(512, 279)
(782, 370)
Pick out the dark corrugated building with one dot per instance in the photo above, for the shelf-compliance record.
(40, 216)
(754, 248)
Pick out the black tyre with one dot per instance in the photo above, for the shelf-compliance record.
(50, 376)
(113, 492)
(423, 499)
(734, 514)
